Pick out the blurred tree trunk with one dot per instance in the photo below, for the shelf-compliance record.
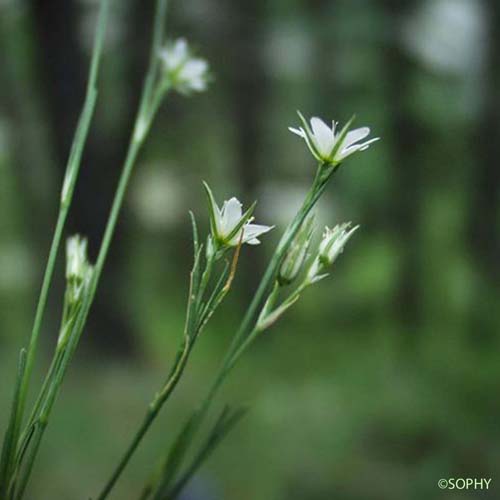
(408, 183)
(486, 203)
(484, 235)
(27, 172)
(58, 29)
(247, 85)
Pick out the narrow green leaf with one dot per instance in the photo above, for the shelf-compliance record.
(175, 456)
(309, 135)
(10, 440)
(195, 232)
(224, 424)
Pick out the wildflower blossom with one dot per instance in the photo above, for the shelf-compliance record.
(230, 225)
(328, 144)
(185, 72)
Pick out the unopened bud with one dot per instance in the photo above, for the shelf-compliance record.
(297, 253)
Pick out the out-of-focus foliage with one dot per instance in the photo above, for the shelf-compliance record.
(384, 378)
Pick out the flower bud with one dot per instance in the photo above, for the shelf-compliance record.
(76, 258)
(331, 246)
(297, 253)
(78, 268)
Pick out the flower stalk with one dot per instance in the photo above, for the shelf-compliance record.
(284, 267)
(10, 443)
(149, 103)
(198, 314)
(172, 66)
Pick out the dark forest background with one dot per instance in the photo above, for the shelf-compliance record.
(383, 379)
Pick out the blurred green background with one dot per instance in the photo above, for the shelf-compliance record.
(385, 377)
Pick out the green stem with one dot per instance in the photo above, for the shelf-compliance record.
(8, 449)
(80, 323)
(245, 330)
(72, 170)
(144, 115)
(153, 410)
(191, 331)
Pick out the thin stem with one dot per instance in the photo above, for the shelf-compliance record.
(74, 166)
(80, 323)
(8, 449)
(192, 329)
(245, 330)
(143, 116)
(153, 410)
(72, 170)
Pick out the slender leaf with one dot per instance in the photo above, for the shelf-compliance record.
(10, 441)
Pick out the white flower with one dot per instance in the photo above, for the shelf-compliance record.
(78, 269)
(331, 246)
(185, 72)
(230, 225)
(334, 240)
(76, 258)
(329, 145)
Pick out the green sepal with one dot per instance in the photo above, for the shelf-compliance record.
(213, 208)
(309, 134)
(340, 139)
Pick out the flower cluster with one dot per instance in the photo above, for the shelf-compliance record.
(183, 71)
(328, 144)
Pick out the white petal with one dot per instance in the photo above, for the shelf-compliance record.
(356, 147)
(193, 69)
(231, 215)
(174, 54)
(198, 84)
(253, 231)
(179, 52)
(355, 136)
(366, 145)
(323, 137)
(298, 131)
